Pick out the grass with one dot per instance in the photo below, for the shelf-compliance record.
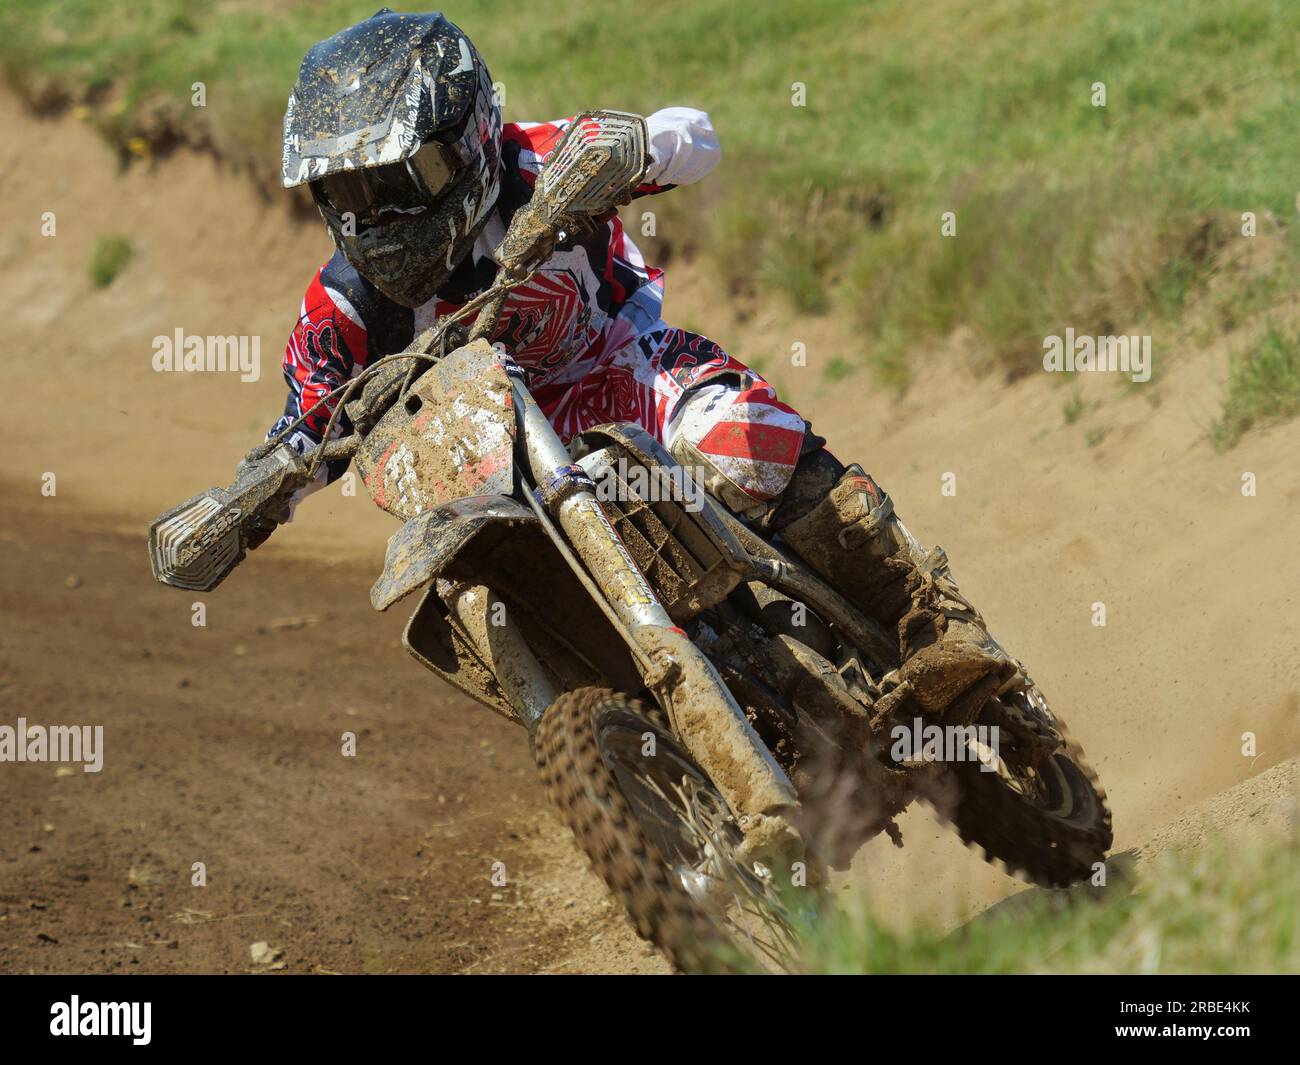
(1263, 387)
(108, 258)
(1216, 910)
(1067, 214)
(837, 369)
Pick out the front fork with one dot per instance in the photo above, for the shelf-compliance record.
(714, 729)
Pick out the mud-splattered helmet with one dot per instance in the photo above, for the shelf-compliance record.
(394, 124)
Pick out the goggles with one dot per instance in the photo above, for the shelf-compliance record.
(409, 186)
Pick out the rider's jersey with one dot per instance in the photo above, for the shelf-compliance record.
(590, 297)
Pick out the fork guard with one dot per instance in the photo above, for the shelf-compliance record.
(426, 545)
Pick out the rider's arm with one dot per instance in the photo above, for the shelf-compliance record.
(327, 342)
(683, 149)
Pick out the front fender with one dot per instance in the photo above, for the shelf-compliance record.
(426, 545)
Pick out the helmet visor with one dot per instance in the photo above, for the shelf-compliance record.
(409, 186)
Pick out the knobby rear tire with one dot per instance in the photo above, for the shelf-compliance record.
(1053, 840)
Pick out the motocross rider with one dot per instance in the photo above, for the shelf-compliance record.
(394, 126)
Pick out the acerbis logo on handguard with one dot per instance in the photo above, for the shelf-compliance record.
(194, 547)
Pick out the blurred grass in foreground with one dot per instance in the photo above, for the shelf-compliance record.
(1222, 909)
(1068, 214)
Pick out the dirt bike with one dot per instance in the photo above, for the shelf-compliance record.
(684, 679)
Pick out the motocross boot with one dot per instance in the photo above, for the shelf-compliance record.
(843, 525)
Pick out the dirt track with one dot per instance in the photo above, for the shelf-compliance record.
(222, 743)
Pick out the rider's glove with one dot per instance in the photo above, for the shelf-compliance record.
(257, 533)
(257, 466)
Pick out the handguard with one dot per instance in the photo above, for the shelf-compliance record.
(599, 161)
(195, 545)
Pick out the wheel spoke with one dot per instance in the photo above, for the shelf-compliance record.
(702, 826)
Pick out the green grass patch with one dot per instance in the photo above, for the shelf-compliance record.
(1263, 387)
(1217, 910)
(108, 258)
(838, 369)
(1074, 407)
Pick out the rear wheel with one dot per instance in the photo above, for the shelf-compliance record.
(659, 834)
(1041, 810)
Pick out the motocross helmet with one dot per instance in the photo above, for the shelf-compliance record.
(394, 124)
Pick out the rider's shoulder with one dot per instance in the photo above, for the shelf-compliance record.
(533, 140)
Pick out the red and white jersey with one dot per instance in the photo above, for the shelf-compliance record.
(593, 296)
(587, 328)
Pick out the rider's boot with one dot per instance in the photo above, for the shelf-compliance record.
(843, 525)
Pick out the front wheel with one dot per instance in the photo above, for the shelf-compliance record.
(659, 834)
